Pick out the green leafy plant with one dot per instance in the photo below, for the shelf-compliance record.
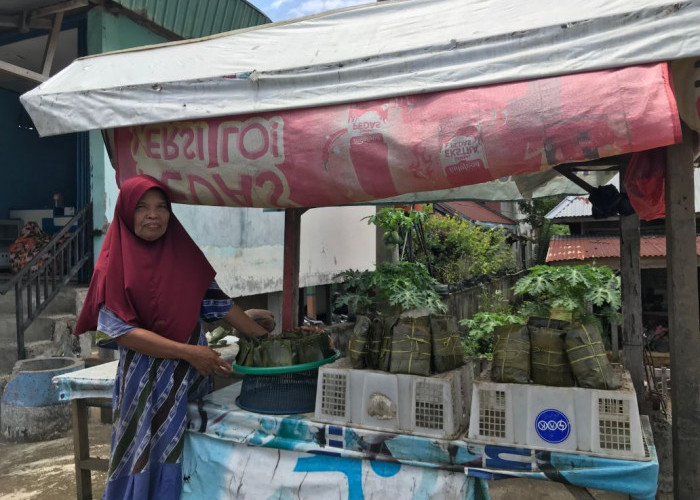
(478, 339)
(400, 285)
(397, 223)
(460, 250)
(586, 291)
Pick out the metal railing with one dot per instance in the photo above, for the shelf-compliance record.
(42, 278)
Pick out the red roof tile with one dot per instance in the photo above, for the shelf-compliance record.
(478, 212)
(598, 247)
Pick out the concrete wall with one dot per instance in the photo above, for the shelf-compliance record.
(246, 245)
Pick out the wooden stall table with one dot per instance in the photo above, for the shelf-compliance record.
(84, 388)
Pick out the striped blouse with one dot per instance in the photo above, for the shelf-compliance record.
(215, 305)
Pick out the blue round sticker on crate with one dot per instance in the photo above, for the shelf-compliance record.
(552, 426)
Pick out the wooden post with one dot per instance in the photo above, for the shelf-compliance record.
(632, 347)
(81, 449)
(328, 303)
(290, 273)
(614, 340)
(683, 325)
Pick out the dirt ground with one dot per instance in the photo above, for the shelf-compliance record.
(45, 471)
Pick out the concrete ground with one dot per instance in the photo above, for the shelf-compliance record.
(45, 471)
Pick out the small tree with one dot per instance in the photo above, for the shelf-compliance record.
(542, 228)
(460, 250)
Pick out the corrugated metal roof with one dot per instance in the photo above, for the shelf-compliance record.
(197, 18)
(577, 206)
(563, 248)
(580, 206)
(571, 206)
(476, 211)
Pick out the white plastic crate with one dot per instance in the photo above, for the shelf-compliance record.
(433, 406)
(568, 419)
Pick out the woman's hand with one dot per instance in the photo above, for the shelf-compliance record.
(206, 360)
(262, 317)
(245, 325)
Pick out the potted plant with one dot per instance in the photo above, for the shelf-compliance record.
(580, 294)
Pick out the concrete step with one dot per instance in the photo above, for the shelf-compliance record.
(42, 349)
(47, 336)
(68, 301)
(42, 328)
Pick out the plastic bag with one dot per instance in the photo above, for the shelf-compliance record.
(645, 183)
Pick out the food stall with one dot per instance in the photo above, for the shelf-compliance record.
(400, 101)
(231, 452)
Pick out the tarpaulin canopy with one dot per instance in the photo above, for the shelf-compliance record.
(385, 100)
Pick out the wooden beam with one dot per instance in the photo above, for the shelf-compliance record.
(12, 69)
(52, 44)
(290, 273)
(631, 275)
(12, 21)
(16, 22)
(59, 7)
(683, 324)
(566, 172)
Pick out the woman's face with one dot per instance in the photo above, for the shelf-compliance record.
(151, 216)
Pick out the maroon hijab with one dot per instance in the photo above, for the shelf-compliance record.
(156, 285)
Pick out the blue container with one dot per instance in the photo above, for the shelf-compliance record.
(30, 409)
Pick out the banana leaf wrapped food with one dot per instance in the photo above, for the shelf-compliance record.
(278, 352)
(447, 352)
(386, 332)
(358, 346)
(374, 342)
(312, 347)
(292, 347)
(410, 346)
(588, 360)
(511, 355)
(549, 364)
(245, 347)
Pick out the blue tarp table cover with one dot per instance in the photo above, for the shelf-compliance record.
(218, 428)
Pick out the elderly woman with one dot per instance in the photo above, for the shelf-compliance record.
(151, 287)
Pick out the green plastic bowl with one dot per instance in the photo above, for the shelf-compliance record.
(280, 370)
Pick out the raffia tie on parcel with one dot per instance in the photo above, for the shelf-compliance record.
(411, 347)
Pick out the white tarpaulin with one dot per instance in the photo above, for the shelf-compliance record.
(382, 50)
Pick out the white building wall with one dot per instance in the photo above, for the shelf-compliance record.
(335, 239)
(246, 245)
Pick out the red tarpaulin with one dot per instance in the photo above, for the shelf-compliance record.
(359, 152)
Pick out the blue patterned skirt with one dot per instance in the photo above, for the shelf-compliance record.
(150, 416)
